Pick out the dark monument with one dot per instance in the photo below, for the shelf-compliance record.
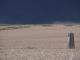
(71, 43)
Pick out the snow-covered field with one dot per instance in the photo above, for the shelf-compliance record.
(39, 42)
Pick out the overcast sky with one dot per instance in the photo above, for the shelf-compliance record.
(39, 11)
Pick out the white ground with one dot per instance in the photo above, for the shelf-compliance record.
(39, 43)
